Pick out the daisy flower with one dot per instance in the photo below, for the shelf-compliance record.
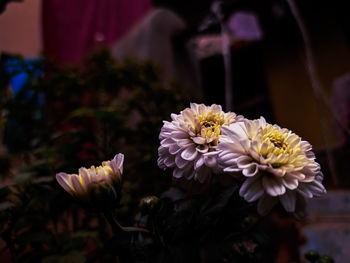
(277, 164)
(186, 141)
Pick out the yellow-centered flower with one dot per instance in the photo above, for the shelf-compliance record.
(95, 183)
(188, 143)
(276, 163)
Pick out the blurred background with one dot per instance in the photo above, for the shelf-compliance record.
(248, 56)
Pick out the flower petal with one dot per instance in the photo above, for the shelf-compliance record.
(273, 185)
(179, 135)
(235, 130)
(167, 142)
(297, 175)
(288, 201)
(117, 163)
(183, 143)
(198, 140)
(290, 182)
(251, 190)
(199, 163)
(169, 161)
(189, 154)
(245, 144)
(85, 177)
(231, 169)
(251, 170)
(174, 149)
(304, 191)
(202, 148)
(265, 204)
(78, 188)
(63, 180)
(178, 173)
(228, 159)
(180, 163)
(244, 161)
(210, 161)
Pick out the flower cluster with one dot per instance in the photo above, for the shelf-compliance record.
(273, 163)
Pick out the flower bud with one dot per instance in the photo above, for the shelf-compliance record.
(148, 203)
(96, 188)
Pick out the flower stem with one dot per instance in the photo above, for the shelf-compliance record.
(117, 227)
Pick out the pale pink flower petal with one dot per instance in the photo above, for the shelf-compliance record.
(288, 201)
(63, 180)
(273, 185)
(78, 188)
(190, 153)
(266, 203)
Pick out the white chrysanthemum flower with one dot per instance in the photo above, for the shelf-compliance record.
(188, 143)
(95, 182)
(276, 164)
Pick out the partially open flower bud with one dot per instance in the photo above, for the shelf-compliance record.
(96, 188)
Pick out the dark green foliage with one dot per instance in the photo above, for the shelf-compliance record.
(203, 228)
(89, 115)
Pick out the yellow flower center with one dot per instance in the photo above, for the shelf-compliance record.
(210, 125)
(106, 168)
(276, 141)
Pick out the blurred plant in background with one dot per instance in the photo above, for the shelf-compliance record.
(83, 117)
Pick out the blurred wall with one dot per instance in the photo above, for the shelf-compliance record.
(292, 97)
(20, 30)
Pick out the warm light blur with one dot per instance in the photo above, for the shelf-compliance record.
(20, 31)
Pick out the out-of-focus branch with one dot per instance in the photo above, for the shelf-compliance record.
(316, 85)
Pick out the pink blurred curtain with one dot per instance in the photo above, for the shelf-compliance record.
(72, 28)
